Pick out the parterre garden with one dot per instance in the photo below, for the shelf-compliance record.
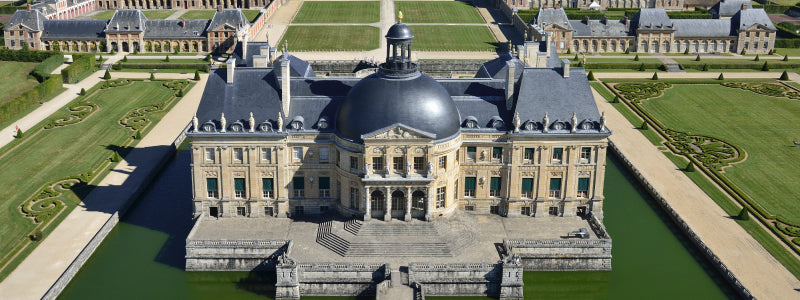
(739, 135)
(356, 12)
(56, 164)
(447, 12)
(14, 79)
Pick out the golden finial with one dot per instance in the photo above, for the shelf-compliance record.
(399, 16)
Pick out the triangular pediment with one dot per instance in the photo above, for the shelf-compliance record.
(398, 131)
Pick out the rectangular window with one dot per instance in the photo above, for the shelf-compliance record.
(747, 34)
(553, 210)
(266, 155)
(758, 34)
(494, 209)
(324, 153)
(440, 192)
(299, 186)
(497, 153)
(239, 188)
(238, 155)
(297, 153)
(240, 211)
(525, 210)
(558, 153)
(419, 163)
(555, 187)
(583, 187)
(527, 188)
(766, 45)
(494, 187)
(528, 155)
(211, 187)
(399, 164)
(443, 162)
(353, 163)
(268, 211)
(746, 45)
(210, 155)
(472, 153)
(324, 187)
(586, 155)
(469, 207)
(267, 185)
(469, 186)
(353, 197)
(377, 163)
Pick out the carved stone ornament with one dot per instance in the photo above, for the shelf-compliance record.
(394, 133)
(267, 173)
(238, 174)
(419, 150)
(210, 173)
(495, 172)
(528, 174)
(584, 173)
(377, 150)
(398, 150)
(556, 174)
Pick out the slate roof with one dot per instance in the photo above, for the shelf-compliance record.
(728, 8)
(702, 27)
(127, 20)
(652, 18)
(73, 29)
(747, 18)
(598, 28)
(253, 48)
(546, 90)
(498, 67)
(48, 8)
(231, 17)
(160, 29)
(32, 19)
(547, 16)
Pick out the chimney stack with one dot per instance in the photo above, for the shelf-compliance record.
(219, 8)
(587, 20)
(565, 67)
(28, 8)
(744, 6)
(183, 22)
(286, 78)
(231, 68)
(510, 84)
(625, 20)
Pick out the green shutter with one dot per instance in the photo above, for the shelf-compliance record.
(211, 184)
(528, 151)
(472, 149)
(298, 183)
(324, 183)
(495, 184)
(583, 184)
(238, 184)
(267, 183)
(497, 150)
(555, 184)
(527, 184)
(469, 183)
(558, 151)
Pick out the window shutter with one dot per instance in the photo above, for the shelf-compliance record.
(211, 184)
(324, 183)
(495, 184)
(497, 150)
(555, 184)
(238, 184)
(527, 184)
(469, 183)
(528, 151)
(298, 183)
(471, 149)
(558, 151)
(267, 182)
(583, 184)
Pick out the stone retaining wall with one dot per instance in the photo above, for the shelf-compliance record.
(232, 255)
(502, 279)
(440, 68)
(329, 279)
(712, 258)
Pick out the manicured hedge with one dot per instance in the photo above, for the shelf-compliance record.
(31, 98)
(82, 65)
(9, 10)
(688, 15)
(43, 70)
(199, 67)
(787, 43)
(785, 31)
(25, 55)
(747, 65)
(622, 66)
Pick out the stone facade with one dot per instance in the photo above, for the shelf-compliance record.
(594, 4)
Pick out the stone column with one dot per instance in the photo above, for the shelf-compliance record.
(287, 285)
(408, 205)
(544, 174)
(428, 205)
(511, 285)
(367, 205)
(387, 214)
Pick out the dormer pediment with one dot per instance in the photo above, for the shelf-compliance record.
(398, 131)
(758, 27)
(557, 27)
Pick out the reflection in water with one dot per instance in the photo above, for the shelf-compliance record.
(144, 256)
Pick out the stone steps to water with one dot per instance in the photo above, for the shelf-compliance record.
(399, 249)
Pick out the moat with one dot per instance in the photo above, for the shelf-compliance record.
(144, 256)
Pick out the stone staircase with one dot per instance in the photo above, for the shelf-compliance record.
(330, 240)
(377, 239)
(387, 229)
(398, 250)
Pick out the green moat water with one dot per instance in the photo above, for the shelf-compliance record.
(142, 258)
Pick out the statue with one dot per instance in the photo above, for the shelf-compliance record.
(252, 122)
(399, 16)
(430, 169)
(603, 121)
(545, 122)
(574, 122)
(386, 168)
(516, 122)
(195, 123)
(408, 167)
(280, 122)
(366, 169)
(223, 122)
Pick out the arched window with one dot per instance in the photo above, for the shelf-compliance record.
(398, 200)
(377, 200)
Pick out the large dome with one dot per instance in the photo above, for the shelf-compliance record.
(416, 101)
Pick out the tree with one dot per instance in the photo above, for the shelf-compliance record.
(721, 77)
(686, 52)
(569, 51)
(167, 59)
(690, 167)
(784, 76)
(116, 157)
(636, 58)
(137, 135)
(125, 58)
(100, 59)
(180, 93)
(616, 99)
(107, 75)
(786, 58)
(152, 76)
(83, 92)
(644, 126)
(765, 67)
(655, 76)
(705, 67)
(576, 57)
(590, 76)
(744, 52)
(744, 214)
(19, 134)
(697, 58)
(757, 58)
(135, 50)
(196, 75)
(36, 235)
(641, 67)
(627, 50)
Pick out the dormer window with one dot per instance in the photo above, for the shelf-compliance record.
(471, 122)
(297, 123)
(586, 125)
(557, 125)
(530, 125)
(265, 127)
(209, 127)
(496, 123)
(322, 123)
(237, 127)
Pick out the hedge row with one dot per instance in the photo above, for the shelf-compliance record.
(786, 32)
(43, 70)
(787, 43)
(10, 10)
(199, 67)
(747, 65)
(776, 9)
(25, 55)
(623, 66)
(688, 15)
(82, 65)
(30, 98)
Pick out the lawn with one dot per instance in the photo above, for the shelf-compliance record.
(61, 152)
(788, 51)
(318, 12)
(14, 79)
(331, 38)
(250, 14)
(104, 15)
(158, 14)
(617, 60)
(752, 121)
(453, 38)
(172, 60)
(438, 12)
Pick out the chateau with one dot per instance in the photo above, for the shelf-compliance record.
(736, 28)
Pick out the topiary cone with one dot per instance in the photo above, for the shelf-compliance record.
(590, 76)
(744, 214)
(19, 134)
(721, 77)
(784, 76)
(655, 76)
(690, 167)
(196, 75)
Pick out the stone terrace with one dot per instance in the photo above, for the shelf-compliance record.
(462, 238)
